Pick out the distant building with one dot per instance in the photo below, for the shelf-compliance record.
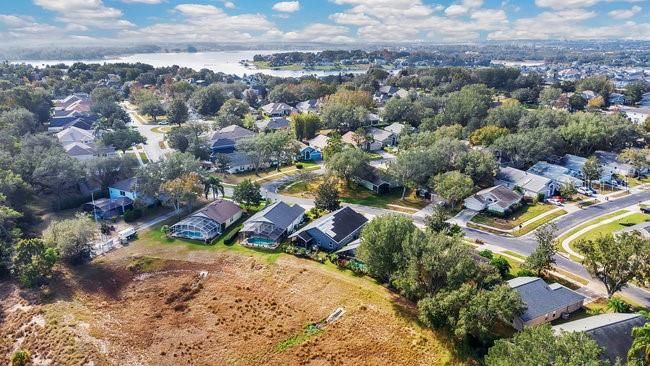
(225, 139)
(309, 153)
(129, 188)
(332, 231)
(309, 106)
(557, 173)
(319, 142)
(544, 303)
(612, 332)
(498, 199)
(277, 109)
(272, 124)
(530, 184)
(375, 180)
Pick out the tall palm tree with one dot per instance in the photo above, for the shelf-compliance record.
(641, 343)
(213, 184)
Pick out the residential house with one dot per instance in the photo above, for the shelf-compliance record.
(332, 231)
(588, 94)
(80, 144)
(309, 153)
(74, 110)
(272, 224)
(272, 124)
(382, 136)
(616, 98)
(498, 199)
(375, 180)
(106, 208)
(319, 142)
(397, 128)
(544, 303)
(612, 167)
(373, 119)
(277, 109)
(129, 188)
(557, 173)
(75, 134)
(531, 185)
(239, 162)
(388, 90)
(351, 138)
(612, 332)
(309, 106)
(208, 222)
(224, 140)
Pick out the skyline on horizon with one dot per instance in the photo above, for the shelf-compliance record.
(342, 22)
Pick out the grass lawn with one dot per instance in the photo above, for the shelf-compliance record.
(161, 129)
(143, 156)
(269, 174)
(539, 222)
(526, 212)
(612, 227)
(357, 194)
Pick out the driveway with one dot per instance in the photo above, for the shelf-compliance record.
(152, 147)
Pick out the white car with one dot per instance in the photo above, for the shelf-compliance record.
(586, 191)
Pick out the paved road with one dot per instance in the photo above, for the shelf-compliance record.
(152, 147)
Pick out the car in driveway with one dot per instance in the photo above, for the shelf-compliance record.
(586, 191)
(645, 210)
(556, 200)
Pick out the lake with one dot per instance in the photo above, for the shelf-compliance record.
(227, 62)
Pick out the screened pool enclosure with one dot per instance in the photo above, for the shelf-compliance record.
(196, 227)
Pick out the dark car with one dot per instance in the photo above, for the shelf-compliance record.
(645, 210)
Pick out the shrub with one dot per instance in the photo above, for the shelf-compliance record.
(230, 237)
(486, 253)
(525, 272)
(299, 166)
(132, 215)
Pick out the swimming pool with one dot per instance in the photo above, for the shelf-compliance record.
(260, 242)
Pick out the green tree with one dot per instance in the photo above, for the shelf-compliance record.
(20, 357)
(411, 168)
(577, 102)
(634, 91)
(437, 221)
(506, 116)
(601, 85)
(347, 163)
(549, 95)
(343, 117)
(403, 110)
(111, 169)
(213, 184)
(618, 305)
(617, 260)
(33, 261)
(502, 265)
(481, 166)
(58, 174)
(177, 112)
(334, 145)
(591, 170)
(453, 186)
(641, 342)
(567, 190)
(71, 237)
(540, 346)
(542, 259)
(182, 190)
(305, 125)
(247, 193)
(153, 108)
(207, 101)
(469, 106)
(19, 122)
(485, 136)
(232, 112)
(382, 244)
(123, 139)
(327, 196)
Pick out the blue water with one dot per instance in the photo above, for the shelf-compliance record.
(259, 241)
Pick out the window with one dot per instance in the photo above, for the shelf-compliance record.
(122, 193)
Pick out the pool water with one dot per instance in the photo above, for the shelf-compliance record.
(256, 241)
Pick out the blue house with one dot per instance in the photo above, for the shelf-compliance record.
(309, 153)
(331, 232)
(129, 188)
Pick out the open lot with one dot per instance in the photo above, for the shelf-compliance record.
(146, 304)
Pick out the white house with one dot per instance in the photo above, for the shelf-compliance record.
(499, 199)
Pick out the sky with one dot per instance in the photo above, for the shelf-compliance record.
(97, 22)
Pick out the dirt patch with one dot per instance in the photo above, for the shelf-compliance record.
(232, 310)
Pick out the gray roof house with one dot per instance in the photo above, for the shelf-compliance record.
(208, 222)
(499, 199)
(225, 139)
(319, 142)
(544, 303)
(612, 332)
(557, 173)
(331, 232)
(278, 109)
(309, 106)
(530, 184)
(269, 226)
(273, 124)
(386, 138)
(397, 128)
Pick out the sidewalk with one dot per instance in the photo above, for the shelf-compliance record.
(566, 242)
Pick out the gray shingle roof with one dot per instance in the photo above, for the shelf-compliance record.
(541, 298)
(280, 214)
(127, 185)
(220, 211)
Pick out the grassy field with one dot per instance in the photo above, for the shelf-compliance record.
(539, 222)
(360, 195)
(523, 214)
(270, 173)
(613, 227)
(567, 234)
(162, 129)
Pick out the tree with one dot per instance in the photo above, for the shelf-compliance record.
(641, 342)
(305, 125)
(470, 311)
(165, 230)
(618, 305)
(502, 265)
(213, 184)
(403, 110)
(410, 169)
(540, 346)
(33, 261)
(616, 260)
(639, 158)
(19, 122)
(152, 107)
(567, 190)
(343, 117)
(634, 91)
(352, 98)
(207, 101)
(437, 221)
(485, 136)
(347, 163)
(453, 186)
(382, 244)
(177, 112)
(232, 112)
(506, 116)
(469, 106)
(57, 173)
(221, 161)
(334, 145)
(185, 189)
(481, 166)
(542, 259)
(591, 170)
(577, 102)
(72, 238)
(595, 103)
(600, 85)
(111, 169)
(549, 95)
(123, 139)
(327, 196)
(177, 140)
(248, 193)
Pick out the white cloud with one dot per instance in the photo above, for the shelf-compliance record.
(229, 4)
(625, 13)
(287, 6)
(319, 32)
(565, 4)
(149, 2)
(90, 13)
(456, 10)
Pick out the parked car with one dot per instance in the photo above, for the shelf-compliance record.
(645, 210)
(163, 123)
(586, 191)
(557, 200)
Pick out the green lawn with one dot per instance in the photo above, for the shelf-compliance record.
(143, 156)
(270, 173)
(521, 215)
(612, 227)
(588, 223)
(537, 223)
